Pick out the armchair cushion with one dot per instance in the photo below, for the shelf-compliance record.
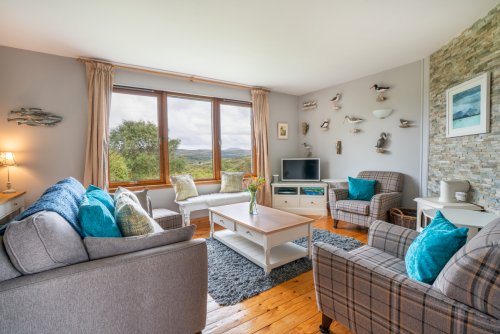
(354, 206)
(472, 275)
(361, 189)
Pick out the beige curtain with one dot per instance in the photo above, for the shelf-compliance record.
(99, 90)
(260, 127)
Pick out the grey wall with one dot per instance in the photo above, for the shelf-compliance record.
(475, 158)
(358, 151)
(55, 84)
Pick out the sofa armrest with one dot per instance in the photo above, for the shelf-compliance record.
(370, 298)
(381, 203)
(390, 238)
(157, 290)
(335, 195)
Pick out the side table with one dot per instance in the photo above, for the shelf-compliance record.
(474, 220)
(11, 205)
(434, 203)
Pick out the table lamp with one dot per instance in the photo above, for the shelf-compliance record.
(7, 159)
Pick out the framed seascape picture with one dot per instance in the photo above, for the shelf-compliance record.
(282, 130)
(468, 107)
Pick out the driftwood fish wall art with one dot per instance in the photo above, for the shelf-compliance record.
(34, 117)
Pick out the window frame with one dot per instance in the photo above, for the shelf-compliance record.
(162, 112)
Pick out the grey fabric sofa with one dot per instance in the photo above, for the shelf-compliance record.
(388, 194)
(368, 290)
(157, 290)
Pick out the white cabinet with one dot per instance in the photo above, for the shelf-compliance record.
(300, 198)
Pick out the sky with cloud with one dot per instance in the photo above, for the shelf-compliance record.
(188, 119)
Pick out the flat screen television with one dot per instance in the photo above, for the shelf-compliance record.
(300, 169)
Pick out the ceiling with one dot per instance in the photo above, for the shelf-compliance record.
(290, 46)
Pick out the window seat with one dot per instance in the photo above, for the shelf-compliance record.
(204, 202)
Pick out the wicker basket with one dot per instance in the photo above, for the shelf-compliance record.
(404, 217)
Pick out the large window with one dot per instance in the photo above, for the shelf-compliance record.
(157, 134)
(190, 137)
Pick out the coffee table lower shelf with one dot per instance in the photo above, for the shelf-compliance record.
(279, 255)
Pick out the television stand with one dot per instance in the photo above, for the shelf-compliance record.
(302, 198)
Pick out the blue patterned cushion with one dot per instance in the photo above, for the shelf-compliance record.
(433, 248)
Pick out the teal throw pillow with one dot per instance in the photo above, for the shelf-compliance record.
(433, 248)
(361, 189)
(101, 196)
(96, 220)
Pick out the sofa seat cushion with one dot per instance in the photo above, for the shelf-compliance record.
(209, 200)
(381, 258)
(7, 270)
(43, 241)
(106, 247)
(354, 206)
(471, 275)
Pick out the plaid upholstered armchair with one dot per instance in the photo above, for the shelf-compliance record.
(388, 194)
(368, 291)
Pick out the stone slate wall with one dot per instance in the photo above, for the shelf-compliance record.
(475, 158)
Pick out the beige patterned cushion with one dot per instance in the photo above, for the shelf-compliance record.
(354, 206)
(232, 182)
(183, 186)
(131, 217)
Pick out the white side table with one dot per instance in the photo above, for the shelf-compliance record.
(11, 205)
(434, 203)
(337, 183)
(474, 220)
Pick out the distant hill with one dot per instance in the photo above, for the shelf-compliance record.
(204, 155)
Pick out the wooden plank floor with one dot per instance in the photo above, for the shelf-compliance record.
(287, 308)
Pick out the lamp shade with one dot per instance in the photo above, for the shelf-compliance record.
(7, 159)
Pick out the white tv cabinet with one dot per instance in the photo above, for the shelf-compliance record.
(302, 198)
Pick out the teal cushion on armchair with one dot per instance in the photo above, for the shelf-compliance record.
(433, 248)
(361, 189)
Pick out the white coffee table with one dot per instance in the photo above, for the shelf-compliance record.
(265, 238)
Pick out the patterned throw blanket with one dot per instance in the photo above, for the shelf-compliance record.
(64, 198)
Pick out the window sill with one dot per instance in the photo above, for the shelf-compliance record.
(160, 186)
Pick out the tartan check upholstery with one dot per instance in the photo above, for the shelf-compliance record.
(472, 276)
(381, 258)
(167, 219)
(365, 290)
(390, 238)
(355, 206)
(388, 194)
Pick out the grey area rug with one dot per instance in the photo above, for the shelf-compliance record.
(233, 278)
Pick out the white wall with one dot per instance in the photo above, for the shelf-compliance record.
(44, 154)
(57, 84)
(358, 151)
